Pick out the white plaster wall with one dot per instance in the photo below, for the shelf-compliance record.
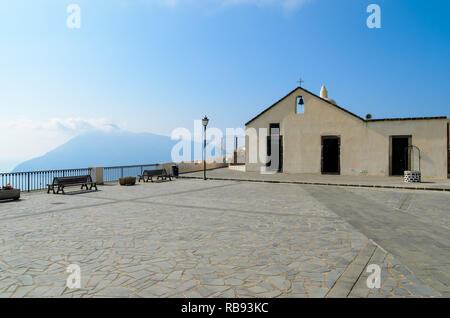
(430, 136)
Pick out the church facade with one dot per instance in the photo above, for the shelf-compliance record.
(307, 133)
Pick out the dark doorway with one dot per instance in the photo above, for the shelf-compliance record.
(400, 161)
(274, 145)
(331, 161)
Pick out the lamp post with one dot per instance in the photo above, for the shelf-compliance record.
(205, 121)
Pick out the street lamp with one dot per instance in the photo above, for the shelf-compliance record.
(205, 121)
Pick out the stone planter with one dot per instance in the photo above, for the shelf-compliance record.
(128, 181)
(13, 194)
(413, 177)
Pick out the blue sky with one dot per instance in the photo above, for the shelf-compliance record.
(155, 65)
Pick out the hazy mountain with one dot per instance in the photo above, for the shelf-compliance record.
(104, 149)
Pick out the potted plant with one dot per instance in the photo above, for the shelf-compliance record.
(7, 192)
(128, 181)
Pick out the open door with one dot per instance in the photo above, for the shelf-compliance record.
(400, 155)
(331, 155)
(275, 144)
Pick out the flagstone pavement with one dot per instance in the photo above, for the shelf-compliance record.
(192, 238)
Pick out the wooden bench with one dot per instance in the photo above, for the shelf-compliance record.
(62, 182)
(148, 175)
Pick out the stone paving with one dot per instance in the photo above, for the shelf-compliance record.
(427, 206)
(190, 238)
(318, 179)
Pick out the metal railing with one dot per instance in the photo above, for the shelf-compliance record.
(114, 173)
(111, 174)
(37, 180)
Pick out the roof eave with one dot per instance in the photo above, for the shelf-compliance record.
(407, 118)
(305, 90)
(343, 109)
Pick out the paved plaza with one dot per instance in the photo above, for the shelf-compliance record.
(219, 238)
(319, 179)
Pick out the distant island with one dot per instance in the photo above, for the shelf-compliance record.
(104, 149)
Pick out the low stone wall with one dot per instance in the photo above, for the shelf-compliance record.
(185, 167)
(237, 167)
(199, 167)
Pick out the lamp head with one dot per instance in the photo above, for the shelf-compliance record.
(205, 121)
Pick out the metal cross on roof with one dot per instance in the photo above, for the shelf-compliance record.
(300, 82)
